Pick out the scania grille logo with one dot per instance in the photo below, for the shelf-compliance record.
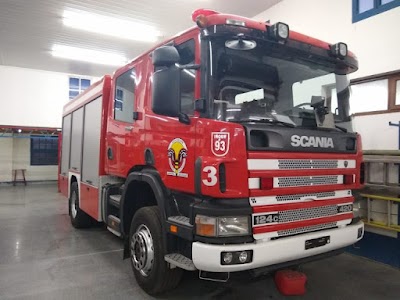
(311, 141)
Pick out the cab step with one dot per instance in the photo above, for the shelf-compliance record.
(180, 220)
(114, 200)
(180, 261)
(113, 225)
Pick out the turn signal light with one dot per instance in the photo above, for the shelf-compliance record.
(348, 179)
(205, 226)
(173, 229)
(267, 183)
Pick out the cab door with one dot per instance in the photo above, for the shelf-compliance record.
(123, 143)
(173, 142)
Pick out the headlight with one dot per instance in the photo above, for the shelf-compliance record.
(228, 226)
(222, 226)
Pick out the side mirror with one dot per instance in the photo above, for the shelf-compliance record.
(166, 92)
(165, 56)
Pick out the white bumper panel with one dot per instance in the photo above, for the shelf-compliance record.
(207, 257)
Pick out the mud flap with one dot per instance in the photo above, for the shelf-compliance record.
(126, 254)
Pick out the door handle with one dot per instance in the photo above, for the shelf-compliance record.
(128, 128)
(110, 155)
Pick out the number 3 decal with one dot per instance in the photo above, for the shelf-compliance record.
(211, 176)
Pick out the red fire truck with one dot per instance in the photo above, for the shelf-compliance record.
(226, 148)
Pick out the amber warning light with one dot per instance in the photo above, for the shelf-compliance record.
(200, 16)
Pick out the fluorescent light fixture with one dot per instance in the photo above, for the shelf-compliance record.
(86, 55)
(110, 26)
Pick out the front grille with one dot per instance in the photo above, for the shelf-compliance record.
(306, 229)
(298, 197)
(307, 213)
(292, 164)
(307, 180)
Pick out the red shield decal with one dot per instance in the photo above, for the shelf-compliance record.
(220, 143)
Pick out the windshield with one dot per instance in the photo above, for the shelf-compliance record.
(264, 85)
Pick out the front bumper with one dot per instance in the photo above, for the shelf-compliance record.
(207, 257)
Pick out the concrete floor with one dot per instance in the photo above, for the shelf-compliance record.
(43, 257)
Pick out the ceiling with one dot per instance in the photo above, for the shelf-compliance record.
(29, 28)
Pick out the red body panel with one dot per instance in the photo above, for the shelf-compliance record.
(63, 185)
(89, 200)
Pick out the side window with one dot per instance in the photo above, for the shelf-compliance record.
(187, 53)
(125, 97)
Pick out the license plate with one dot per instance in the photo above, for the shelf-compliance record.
(314, 243)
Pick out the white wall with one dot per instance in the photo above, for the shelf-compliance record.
(376, 133)
(32, 97)
(373, 40)
(6, 151)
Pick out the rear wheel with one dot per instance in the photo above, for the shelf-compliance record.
(147, 253)
(79, 219)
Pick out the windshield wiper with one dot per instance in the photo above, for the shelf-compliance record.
(265, 121)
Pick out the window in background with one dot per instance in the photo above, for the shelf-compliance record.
(125, 96)
(363, 9)
(397, 99)
(44, 151)
(77, 85)
(369, 96)
(365, 5)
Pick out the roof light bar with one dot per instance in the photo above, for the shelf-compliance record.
(110, 26)
(235, 22)
(86, 55)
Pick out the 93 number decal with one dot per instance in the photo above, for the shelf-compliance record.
(211, 176)
(220, 145)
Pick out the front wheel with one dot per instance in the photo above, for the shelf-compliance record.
(147, 252)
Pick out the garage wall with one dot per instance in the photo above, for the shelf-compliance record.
(15, 154)
(6, 158)
(376, 133)
(22, 158)
(31, 97)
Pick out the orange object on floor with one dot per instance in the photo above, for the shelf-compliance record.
(15, 175)
(291, 283)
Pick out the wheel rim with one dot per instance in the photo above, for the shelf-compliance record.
(142, 250)
(74, 210)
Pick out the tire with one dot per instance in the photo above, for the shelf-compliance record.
(150, 269)
(79, 219)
